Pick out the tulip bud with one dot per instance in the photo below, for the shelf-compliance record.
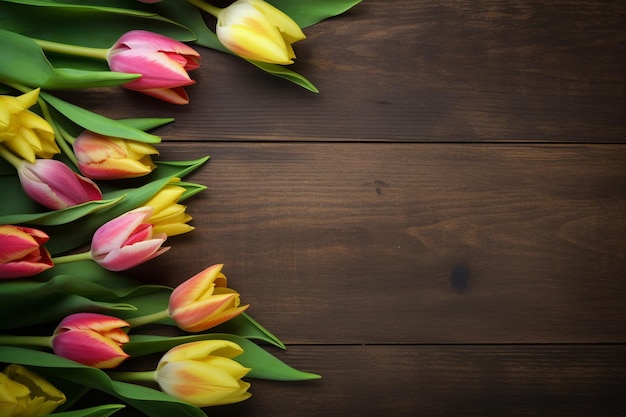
(24, 393)
(127, 241)
(256, 30)
(25, 133)
(92, 339)
(107, 158)
(54, 185)
(203, 373)
(162, 62)
(22, 253)
(169, 217)
(204, 301)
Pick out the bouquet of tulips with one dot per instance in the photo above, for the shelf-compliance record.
(86, 199)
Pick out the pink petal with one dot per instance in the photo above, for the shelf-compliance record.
(112, 235)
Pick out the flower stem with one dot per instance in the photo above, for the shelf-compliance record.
(9, 157)
(148, 318)
(59, 133)
(145, 376)
(62, 48)
(83, 256)
(35, 341)
(209, 8)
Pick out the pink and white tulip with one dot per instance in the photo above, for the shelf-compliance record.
(127, 241)
(204, 301)
(92, 339)
(54, 185)
(108, 158)
(22, 253)
(162, 62)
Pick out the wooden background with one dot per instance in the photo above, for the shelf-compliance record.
(440, 231)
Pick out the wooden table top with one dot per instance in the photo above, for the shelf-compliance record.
(440, 231)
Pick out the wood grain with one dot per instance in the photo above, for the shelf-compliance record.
(407, 243)
(450, 71)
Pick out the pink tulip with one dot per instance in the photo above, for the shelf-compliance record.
(203, 301)
(127, 241)
(91, 339)
(162, 62)
(54, 185)
(22, 253)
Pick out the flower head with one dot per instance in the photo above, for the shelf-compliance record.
(256, 30)
(23, 132)
(91, 339)
(107, 158)
(54, 185)
(204, 301)
(23, 393)
(203, 373)
(127, 241)
(22, 253)
(168, 216)
(162, 62)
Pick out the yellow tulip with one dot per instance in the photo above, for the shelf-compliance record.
(203, 373)
(23, 393)
(23, 132)
(256, 30)
(168, 216)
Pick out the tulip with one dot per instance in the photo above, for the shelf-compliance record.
(127, 241)
(54, 185)
(23, 132)
(105, 158)
(204, 301)
(24, 393)
(203, 373)
(162, 62)
(256, 30)
(169, 217)
(22, 253)
(91, 339)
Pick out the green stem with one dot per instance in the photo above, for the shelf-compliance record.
(59, 133)
(148, 318)
(83, 256)
(10, 158)
(145, 376)
(36, 341)
(209, 8)
(62, 48)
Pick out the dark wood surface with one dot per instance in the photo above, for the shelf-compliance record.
(441, 230)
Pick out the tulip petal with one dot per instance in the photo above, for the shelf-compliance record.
(176, 95)
(130, 256)
(114, 233)
(246, 42)
(157, 70)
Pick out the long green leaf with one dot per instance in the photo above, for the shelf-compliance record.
(75, 287)
(309, 12)
(149, 401)
(61, 21)
(98, 123)
(24, 62)
(245, 326)
(98, 411)
(263, 364)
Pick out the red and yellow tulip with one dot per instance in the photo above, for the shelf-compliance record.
(22, 253)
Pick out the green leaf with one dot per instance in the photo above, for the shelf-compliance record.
(75, 287)
(73, 23)
(149, 401)
(245, 326)
(146, 123)
(263, 364)
(24, 62)
(309, 12)
(98, 411)
(286, 73)
(98, 123)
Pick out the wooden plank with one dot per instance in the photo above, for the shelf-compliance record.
(419, 71)
(483, 380)
(413, 243)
